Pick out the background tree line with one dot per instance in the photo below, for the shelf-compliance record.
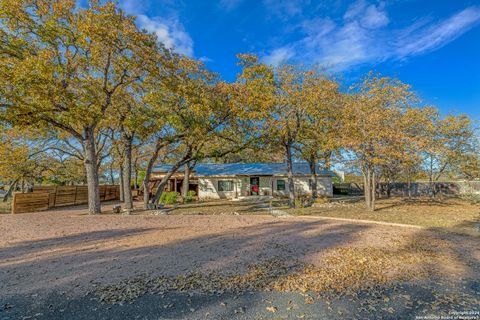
(85, 94)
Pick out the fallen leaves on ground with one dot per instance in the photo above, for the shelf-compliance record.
(344, 271)
(272, 309)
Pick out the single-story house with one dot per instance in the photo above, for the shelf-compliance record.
(239, 180)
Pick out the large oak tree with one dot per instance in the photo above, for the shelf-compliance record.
(62, 66)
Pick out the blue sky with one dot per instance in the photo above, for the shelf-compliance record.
(432, 45)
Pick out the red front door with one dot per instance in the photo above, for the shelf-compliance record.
(254, 186)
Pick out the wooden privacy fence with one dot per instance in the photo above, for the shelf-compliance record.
(46, 197)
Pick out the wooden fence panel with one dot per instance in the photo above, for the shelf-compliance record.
(102, 193)
(82, 195)
(111, 193)
(30, 202)
(65, 196)
(52, 190)
(59, 196)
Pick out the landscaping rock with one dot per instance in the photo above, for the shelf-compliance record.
(117, 208)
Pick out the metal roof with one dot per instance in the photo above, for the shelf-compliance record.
(246, 169)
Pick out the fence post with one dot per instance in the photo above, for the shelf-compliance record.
(14, 207)
(55, 198)
(75, 197)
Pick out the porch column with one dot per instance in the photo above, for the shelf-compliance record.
(271, 185)
(236, 187)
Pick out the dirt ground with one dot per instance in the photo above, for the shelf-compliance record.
(120, 259)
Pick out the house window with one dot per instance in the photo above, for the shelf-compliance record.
(280, 185)
(225, 185)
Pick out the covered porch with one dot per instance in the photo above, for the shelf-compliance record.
(174, 184)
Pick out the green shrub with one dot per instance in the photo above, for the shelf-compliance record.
(190, 196)
(169, 197)
(321, 199)
(162, 197)
(302, 200)
(298, 203)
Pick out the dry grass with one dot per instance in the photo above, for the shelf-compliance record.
(450, 214)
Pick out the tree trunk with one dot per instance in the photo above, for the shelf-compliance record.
(374, 191)
(164, 182)
(409, 186)
(146, 182)
(366, 187)
(135, 174)
(135, 183)
(370, 187)
(148, 173)
(10, 190)
(120, 182)
(291, 184)
(186, 181)
(127, 174)
(112, 180)
(430, 178)
(162, 185)
(91, 169)
(186, 158)
(313, 176)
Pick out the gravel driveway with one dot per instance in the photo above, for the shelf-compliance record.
(66, 264)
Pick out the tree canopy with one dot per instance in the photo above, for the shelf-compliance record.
(86, 95)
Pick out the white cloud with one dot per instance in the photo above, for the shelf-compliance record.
(170, 32)
(229, 4)
(437, 35)
(369, 15)
(355, 10)
(347, 45)
(279, 55)
(205, 59)
(285, 9)
(361, 37)
(374, 17)
(133, 7)
(318, 27)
